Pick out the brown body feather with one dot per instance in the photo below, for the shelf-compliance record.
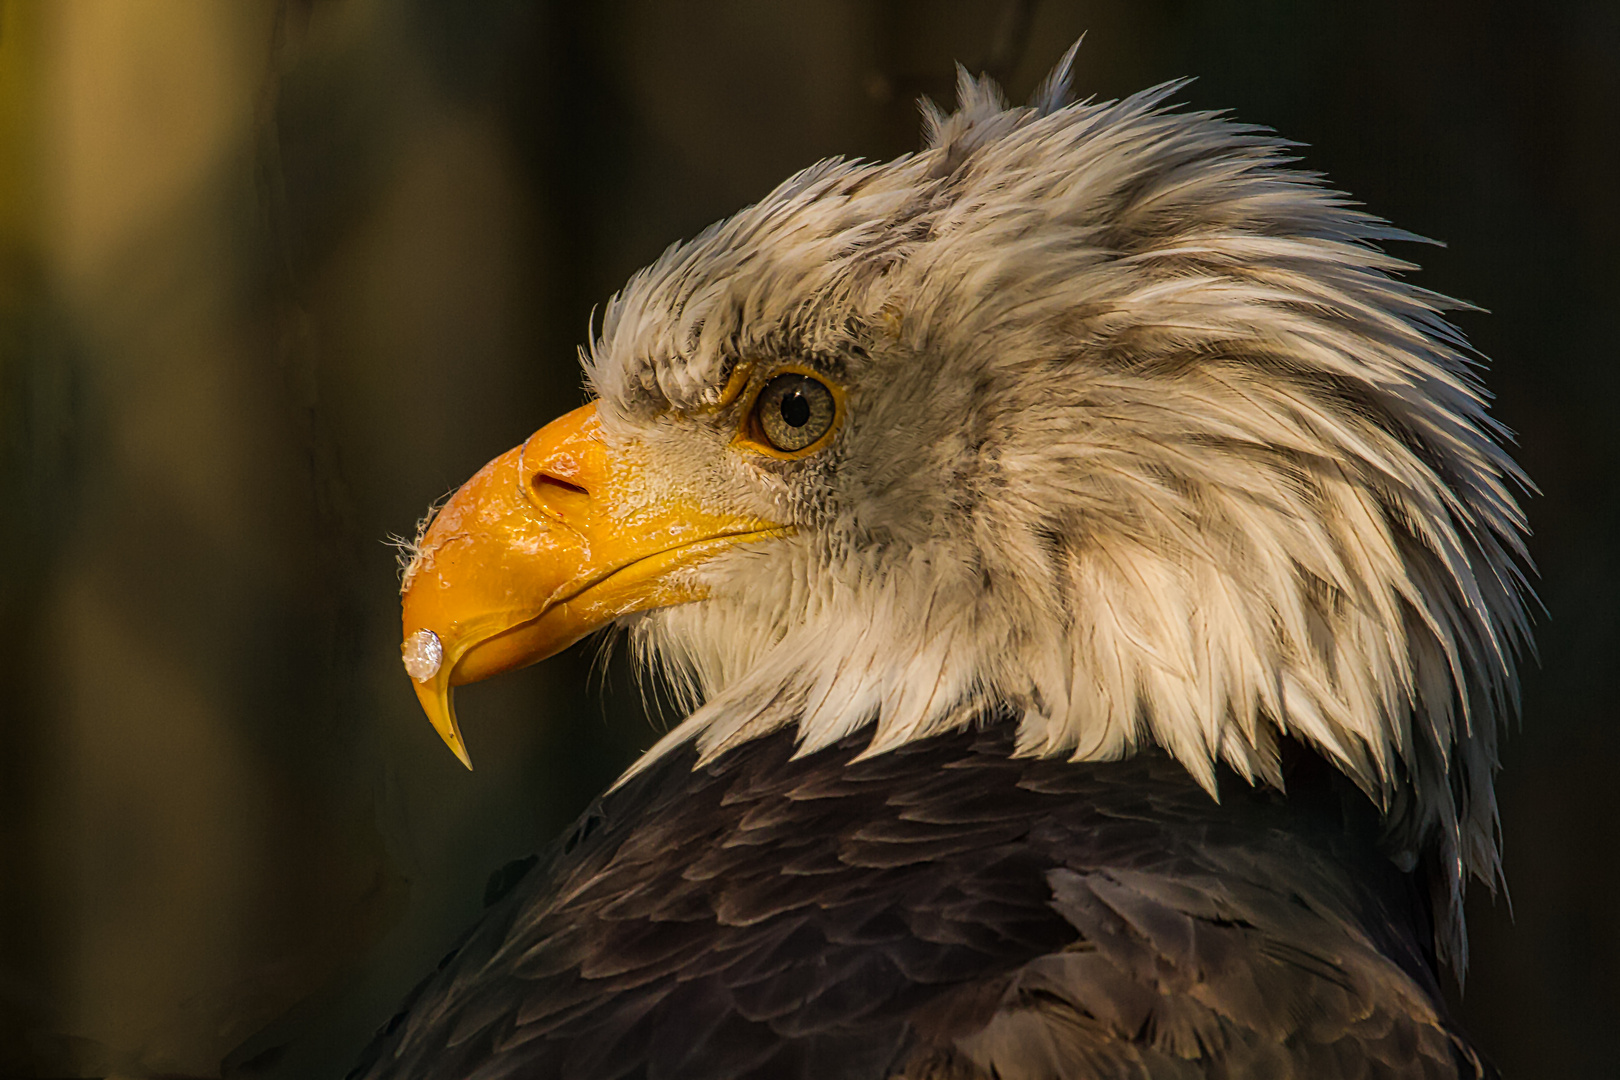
(945, 910)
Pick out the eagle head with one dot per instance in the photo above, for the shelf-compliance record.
(1097, 418)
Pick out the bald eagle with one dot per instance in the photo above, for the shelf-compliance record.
(1096, 585)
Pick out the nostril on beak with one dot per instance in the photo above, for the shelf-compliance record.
(541, 481)
(557, 496)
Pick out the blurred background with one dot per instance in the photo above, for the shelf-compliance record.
(276, 274)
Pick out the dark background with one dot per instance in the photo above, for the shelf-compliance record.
(274, 276)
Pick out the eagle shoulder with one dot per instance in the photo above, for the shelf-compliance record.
(945, 910)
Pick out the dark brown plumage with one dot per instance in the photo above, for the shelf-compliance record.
(764, 916)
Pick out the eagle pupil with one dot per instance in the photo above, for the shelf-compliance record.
(796, 409)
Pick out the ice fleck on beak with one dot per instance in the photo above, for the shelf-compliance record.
(422, 654)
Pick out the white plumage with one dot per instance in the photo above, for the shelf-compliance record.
(1147, 438)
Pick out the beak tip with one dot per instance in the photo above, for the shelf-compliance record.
(462, 756)
(437, 701)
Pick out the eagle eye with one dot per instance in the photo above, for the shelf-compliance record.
(794, 411)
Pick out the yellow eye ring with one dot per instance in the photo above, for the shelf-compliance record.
(793, 414)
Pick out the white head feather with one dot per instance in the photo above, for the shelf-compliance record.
(1146, 442)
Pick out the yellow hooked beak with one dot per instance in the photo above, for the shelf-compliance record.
(548, 542)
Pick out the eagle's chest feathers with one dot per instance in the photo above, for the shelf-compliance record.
(779, 915)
